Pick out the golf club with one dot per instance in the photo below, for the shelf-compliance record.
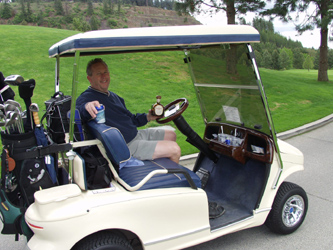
(34, 109)
(14, 80)
(26, 89)
(10, 120)
(11, 105)
(14, 103)
(19, 121)
(2, 121)
(2, 109)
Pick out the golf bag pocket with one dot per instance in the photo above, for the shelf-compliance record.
(18, 145)
(56, 116)
(34, 177)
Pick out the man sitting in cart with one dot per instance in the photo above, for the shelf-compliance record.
(145, 144)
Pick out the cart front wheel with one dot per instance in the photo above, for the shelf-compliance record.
(288, 210)
(103, 241)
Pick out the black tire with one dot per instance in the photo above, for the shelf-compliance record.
(289, 209)
(103, 241)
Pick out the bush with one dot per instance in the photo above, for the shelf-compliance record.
(112, 23)
(80, 24)
(95, 24)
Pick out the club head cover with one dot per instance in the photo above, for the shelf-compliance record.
(26, 89)
(2, 80)
(5, 91)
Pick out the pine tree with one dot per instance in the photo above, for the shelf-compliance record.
(6, 10)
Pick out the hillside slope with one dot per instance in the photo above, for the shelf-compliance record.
(143, 16)
(78, 16)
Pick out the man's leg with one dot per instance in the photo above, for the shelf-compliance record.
(169, 135)
(168, 149)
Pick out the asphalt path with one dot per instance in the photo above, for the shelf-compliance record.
(317, 229)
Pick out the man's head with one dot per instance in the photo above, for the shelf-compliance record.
(98, 74)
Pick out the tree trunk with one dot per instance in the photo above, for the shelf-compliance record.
(323, 50)
(323, 57)
(231, 12)
(232, 53)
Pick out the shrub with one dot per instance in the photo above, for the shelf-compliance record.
(112, 23)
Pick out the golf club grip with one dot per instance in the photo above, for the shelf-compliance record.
(36, 118)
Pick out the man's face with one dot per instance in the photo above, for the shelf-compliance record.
(100, 78)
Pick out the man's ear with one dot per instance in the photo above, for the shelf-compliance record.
(89, 78)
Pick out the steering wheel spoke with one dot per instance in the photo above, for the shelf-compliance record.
(173, 110)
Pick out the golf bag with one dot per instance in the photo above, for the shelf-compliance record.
(23, 172)
(56, 116)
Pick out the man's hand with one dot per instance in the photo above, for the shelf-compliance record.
(151, 117)
(91, 108)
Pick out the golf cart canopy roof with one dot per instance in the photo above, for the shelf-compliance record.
(152, 38)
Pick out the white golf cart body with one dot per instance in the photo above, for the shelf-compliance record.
(163, 218)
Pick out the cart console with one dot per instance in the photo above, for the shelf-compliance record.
(238, 142)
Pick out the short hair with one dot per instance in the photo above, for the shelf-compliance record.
(92, 62)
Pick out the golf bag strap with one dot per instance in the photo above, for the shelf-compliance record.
(38, 152)
(4, 89)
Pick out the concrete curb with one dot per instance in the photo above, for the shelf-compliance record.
(305, 128)
(188, 160)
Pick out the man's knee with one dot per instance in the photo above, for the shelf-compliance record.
(176, 149)
(170, 135)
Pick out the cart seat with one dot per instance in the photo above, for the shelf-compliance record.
(118, 152)
(133, 175)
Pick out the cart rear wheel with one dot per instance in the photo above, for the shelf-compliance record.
(289, 209)
(103, 241)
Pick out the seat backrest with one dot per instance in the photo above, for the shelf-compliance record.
(113, 142)
(79, 172)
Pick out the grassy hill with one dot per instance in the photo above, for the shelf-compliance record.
(294, 96)
(77, 16)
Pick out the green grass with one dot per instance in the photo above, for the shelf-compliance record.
(294, 96)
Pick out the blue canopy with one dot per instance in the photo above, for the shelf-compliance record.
(152, 38)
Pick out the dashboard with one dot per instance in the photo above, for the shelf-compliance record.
(238, 142)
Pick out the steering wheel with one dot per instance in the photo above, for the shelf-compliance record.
(174, 112)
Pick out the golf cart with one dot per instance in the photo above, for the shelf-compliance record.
(163, 205)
